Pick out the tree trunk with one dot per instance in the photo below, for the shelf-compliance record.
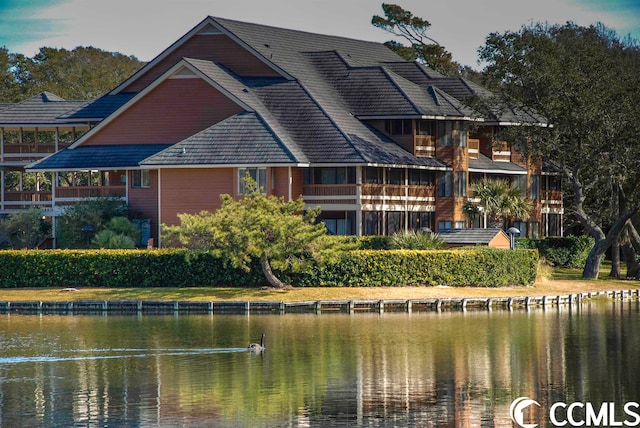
(615, 260)
(631, 259)
(630, 251)
(592, 265)
(273, 280)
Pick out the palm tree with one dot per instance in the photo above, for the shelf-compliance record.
(499, 201)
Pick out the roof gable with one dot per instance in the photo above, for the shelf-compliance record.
(243, 139)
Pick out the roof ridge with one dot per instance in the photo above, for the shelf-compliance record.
(391, 77)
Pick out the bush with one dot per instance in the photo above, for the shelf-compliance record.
(416, 241)
(180, 268)
(569, 251)
(484, 267)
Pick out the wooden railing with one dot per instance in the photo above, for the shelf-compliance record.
(551, 195)
(368, 190)
(329, 190)
(425, 145)
(32, 148)
(473, 146)
(501, 151)
(82, 192)
(27, 196)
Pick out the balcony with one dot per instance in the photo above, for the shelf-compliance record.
(347, 193)
(88, 192)
(24, 199)
(26, 151)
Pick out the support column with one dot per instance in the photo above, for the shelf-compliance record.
(359, 201)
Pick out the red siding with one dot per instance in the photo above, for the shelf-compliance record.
(176, 109)
(193, 190)
(144, 203)
(218, 48)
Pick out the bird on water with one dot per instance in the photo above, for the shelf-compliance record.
(257, 347)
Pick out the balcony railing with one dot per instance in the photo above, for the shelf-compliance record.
(395, 191)
(83, 192)
(31, 148)
(425, 145)
(473, 146)
(27, 196)
(551, 196)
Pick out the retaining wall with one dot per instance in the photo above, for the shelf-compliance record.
(321, 306)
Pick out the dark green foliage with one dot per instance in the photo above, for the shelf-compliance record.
(80, 74)
(72, 232)
(417, 241)
(402, 23)
(182, 268)
(570, 251)
(24, 229)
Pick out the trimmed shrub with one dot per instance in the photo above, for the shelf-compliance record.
(180, 268)
(472, 267)
(569, 251)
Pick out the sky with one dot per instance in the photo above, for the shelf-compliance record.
(144, 28)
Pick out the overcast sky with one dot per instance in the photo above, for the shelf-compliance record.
(144, 28)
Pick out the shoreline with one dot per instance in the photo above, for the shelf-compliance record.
(301, 307)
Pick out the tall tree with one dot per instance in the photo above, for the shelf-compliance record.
(413, 29)
(586, 82)
(10, 90)
(82, 73)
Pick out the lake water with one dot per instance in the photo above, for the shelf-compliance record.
(448, 369)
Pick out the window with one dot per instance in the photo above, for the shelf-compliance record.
(534, 230)
(444, 225)
(399, 127)
(461, 184)
(338, 223)
(395, 222)
(396, 176)
(141, 179)
(330, 175)
(259, 175)
(373, 175)
(445, 184)
(420, 177)
(460, 135)
(421, 221)
(445, 131)
(461, 224)
(522, 227)
(425, 127)
(520, 182)
(372, 222)
(534, 187)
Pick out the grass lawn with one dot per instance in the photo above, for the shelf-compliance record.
(555, 282)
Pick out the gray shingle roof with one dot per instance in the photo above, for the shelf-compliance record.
(98, 156)
(242, 139)
(485, 164)
(99, 108)
(311, 114)
(470, 236)
(42, 109)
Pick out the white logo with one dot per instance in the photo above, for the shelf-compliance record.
(516, 411)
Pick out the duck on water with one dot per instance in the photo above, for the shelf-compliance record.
(257, 347)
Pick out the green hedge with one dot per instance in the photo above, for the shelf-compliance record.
(179, 268)
(569, 251)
